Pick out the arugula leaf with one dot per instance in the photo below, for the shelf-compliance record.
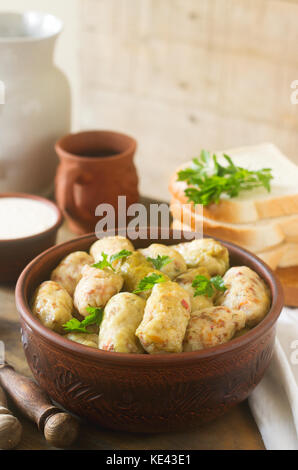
(103, 263)
(211, 179)
(148, 282)
(160, 261)
(95, 318)
(120, 254)
(205, 286)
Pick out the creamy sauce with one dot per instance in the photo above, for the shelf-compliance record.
(21, 217)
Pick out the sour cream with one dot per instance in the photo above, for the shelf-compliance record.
(22, 217)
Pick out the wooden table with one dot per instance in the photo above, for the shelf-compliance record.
(235, 430)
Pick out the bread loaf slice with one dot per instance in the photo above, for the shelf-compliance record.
(284, 255)
(257, 204)
(274, 256)
(256, 237)
(290, 256)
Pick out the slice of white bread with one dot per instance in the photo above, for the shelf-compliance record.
(283, 255)
(274, 256)
(257, 204)
(290, 256)
(256, 237)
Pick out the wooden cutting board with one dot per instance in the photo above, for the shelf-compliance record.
(289, 280)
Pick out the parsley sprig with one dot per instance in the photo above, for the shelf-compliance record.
(94, 318)
(121, 254)
(160, 261)
(205, 286)
(148, 282)
(106, 261)
(103, 263)
(211, 179)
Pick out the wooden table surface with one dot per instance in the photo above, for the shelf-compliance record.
(235, 430)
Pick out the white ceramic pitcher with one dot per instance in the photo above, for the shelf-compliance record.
(36, 108)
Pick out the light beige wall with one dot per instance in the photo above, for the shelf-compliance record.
(66, 53)
(182, 75)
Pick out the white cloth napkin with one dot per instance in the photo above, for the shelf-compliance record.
(274, 402)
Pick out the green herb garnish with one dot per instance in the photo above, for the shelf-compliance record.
(213, 180)
(205, 286)
(120, 255)
(103, 263)
(95, 318)
(148, 282)
(160, 261)
(106, 261)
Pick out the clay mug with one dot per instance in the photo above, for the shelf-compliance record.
(95, 167)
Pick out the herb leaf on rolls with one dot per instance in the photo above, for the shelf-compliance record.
(106, 260)
(94, 318)
(160, 261)
(148, 282)
(205, 286)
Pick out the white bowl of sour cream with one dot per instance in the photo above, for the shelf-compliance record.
(28, 226)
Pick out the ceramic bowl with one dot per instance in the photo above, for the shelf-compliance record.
(145, 393)
(16, 253)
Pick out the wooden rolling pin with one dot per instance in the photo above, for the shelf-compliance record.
(10, 427)
(59, 428)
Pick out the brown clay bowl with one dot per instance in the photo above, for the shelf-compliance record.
(16, 253)
(145, 393)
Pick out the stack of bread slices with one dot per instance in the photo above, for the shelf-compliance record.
(265, 223)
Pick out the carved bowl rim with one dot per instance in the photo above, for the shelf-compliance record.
(24, 285)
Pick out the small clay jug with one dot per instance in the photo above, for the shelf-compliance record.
(95, 167)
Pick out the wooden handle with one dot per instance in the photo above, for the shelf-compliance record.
(10, 427)
(27, 396)
(60, 429)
